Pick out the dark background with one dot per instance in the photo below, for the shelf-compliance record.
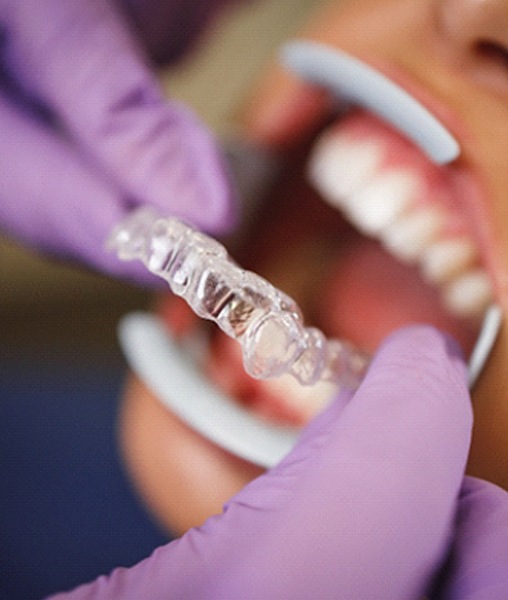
(67, 510)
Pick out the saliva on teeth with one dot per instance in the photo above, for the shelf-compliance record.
(266, 322)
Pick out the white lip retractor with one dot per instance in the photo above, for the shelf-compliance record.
(352, 81)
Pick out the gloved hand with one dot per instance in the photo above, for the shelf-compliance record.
(86, 132)
(365, 506)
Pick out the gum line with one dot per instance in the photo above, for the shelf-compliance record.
(266, 322)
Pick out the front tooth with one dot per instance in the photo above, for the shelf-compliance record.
(384, 199)
(446, 258)
(410, 234)
(339, 166)
(469, 295)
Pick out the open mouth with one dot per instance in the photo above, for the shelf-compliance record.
(368, 234)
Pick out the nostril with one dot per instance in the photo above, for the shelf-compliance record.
(492, 52)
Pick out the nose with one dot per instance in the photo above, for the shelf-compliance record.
(477, 30)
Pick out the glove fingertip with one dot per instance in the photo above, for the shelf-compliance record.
(190, 176)
(422, 352)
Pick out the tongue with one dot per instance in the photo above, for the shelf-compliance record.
(369, 294)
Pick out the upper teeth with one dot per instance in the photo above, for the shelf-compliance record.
(372, 216)
(381, 202)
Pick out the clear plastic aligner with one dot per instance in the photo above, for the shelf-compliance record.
(266, 322)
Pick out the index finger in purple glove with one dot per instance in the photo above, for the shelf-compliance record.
(361, 509)
(48, 191)
(372, 489)
(79, 58)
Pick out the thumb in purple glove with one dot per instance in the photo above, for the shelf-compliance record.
(362, 508)
(112, 141)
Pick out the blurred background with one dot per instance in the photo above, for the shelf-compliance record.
(67, 512)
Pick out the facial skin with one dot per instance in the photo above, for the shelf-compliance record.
(453, 55)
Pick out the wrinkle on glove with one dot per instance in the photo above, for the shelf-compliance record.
(363, 507)
(112, 141)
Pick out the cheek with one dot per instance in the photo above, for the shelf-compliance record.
(183, 478)
(363, 24)
(489, 155)
(500, 233)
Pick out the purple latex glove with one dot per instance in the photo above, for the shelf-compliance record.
(363, 507)
(86, 132)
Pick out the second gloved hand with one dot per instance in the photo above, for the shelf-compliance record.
(367, 505)
(86, 134)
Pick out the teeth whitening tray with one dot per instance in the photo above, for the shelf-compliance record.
(265, 321)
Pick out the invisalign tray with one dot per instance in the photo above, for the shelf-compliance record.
(266, 322)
